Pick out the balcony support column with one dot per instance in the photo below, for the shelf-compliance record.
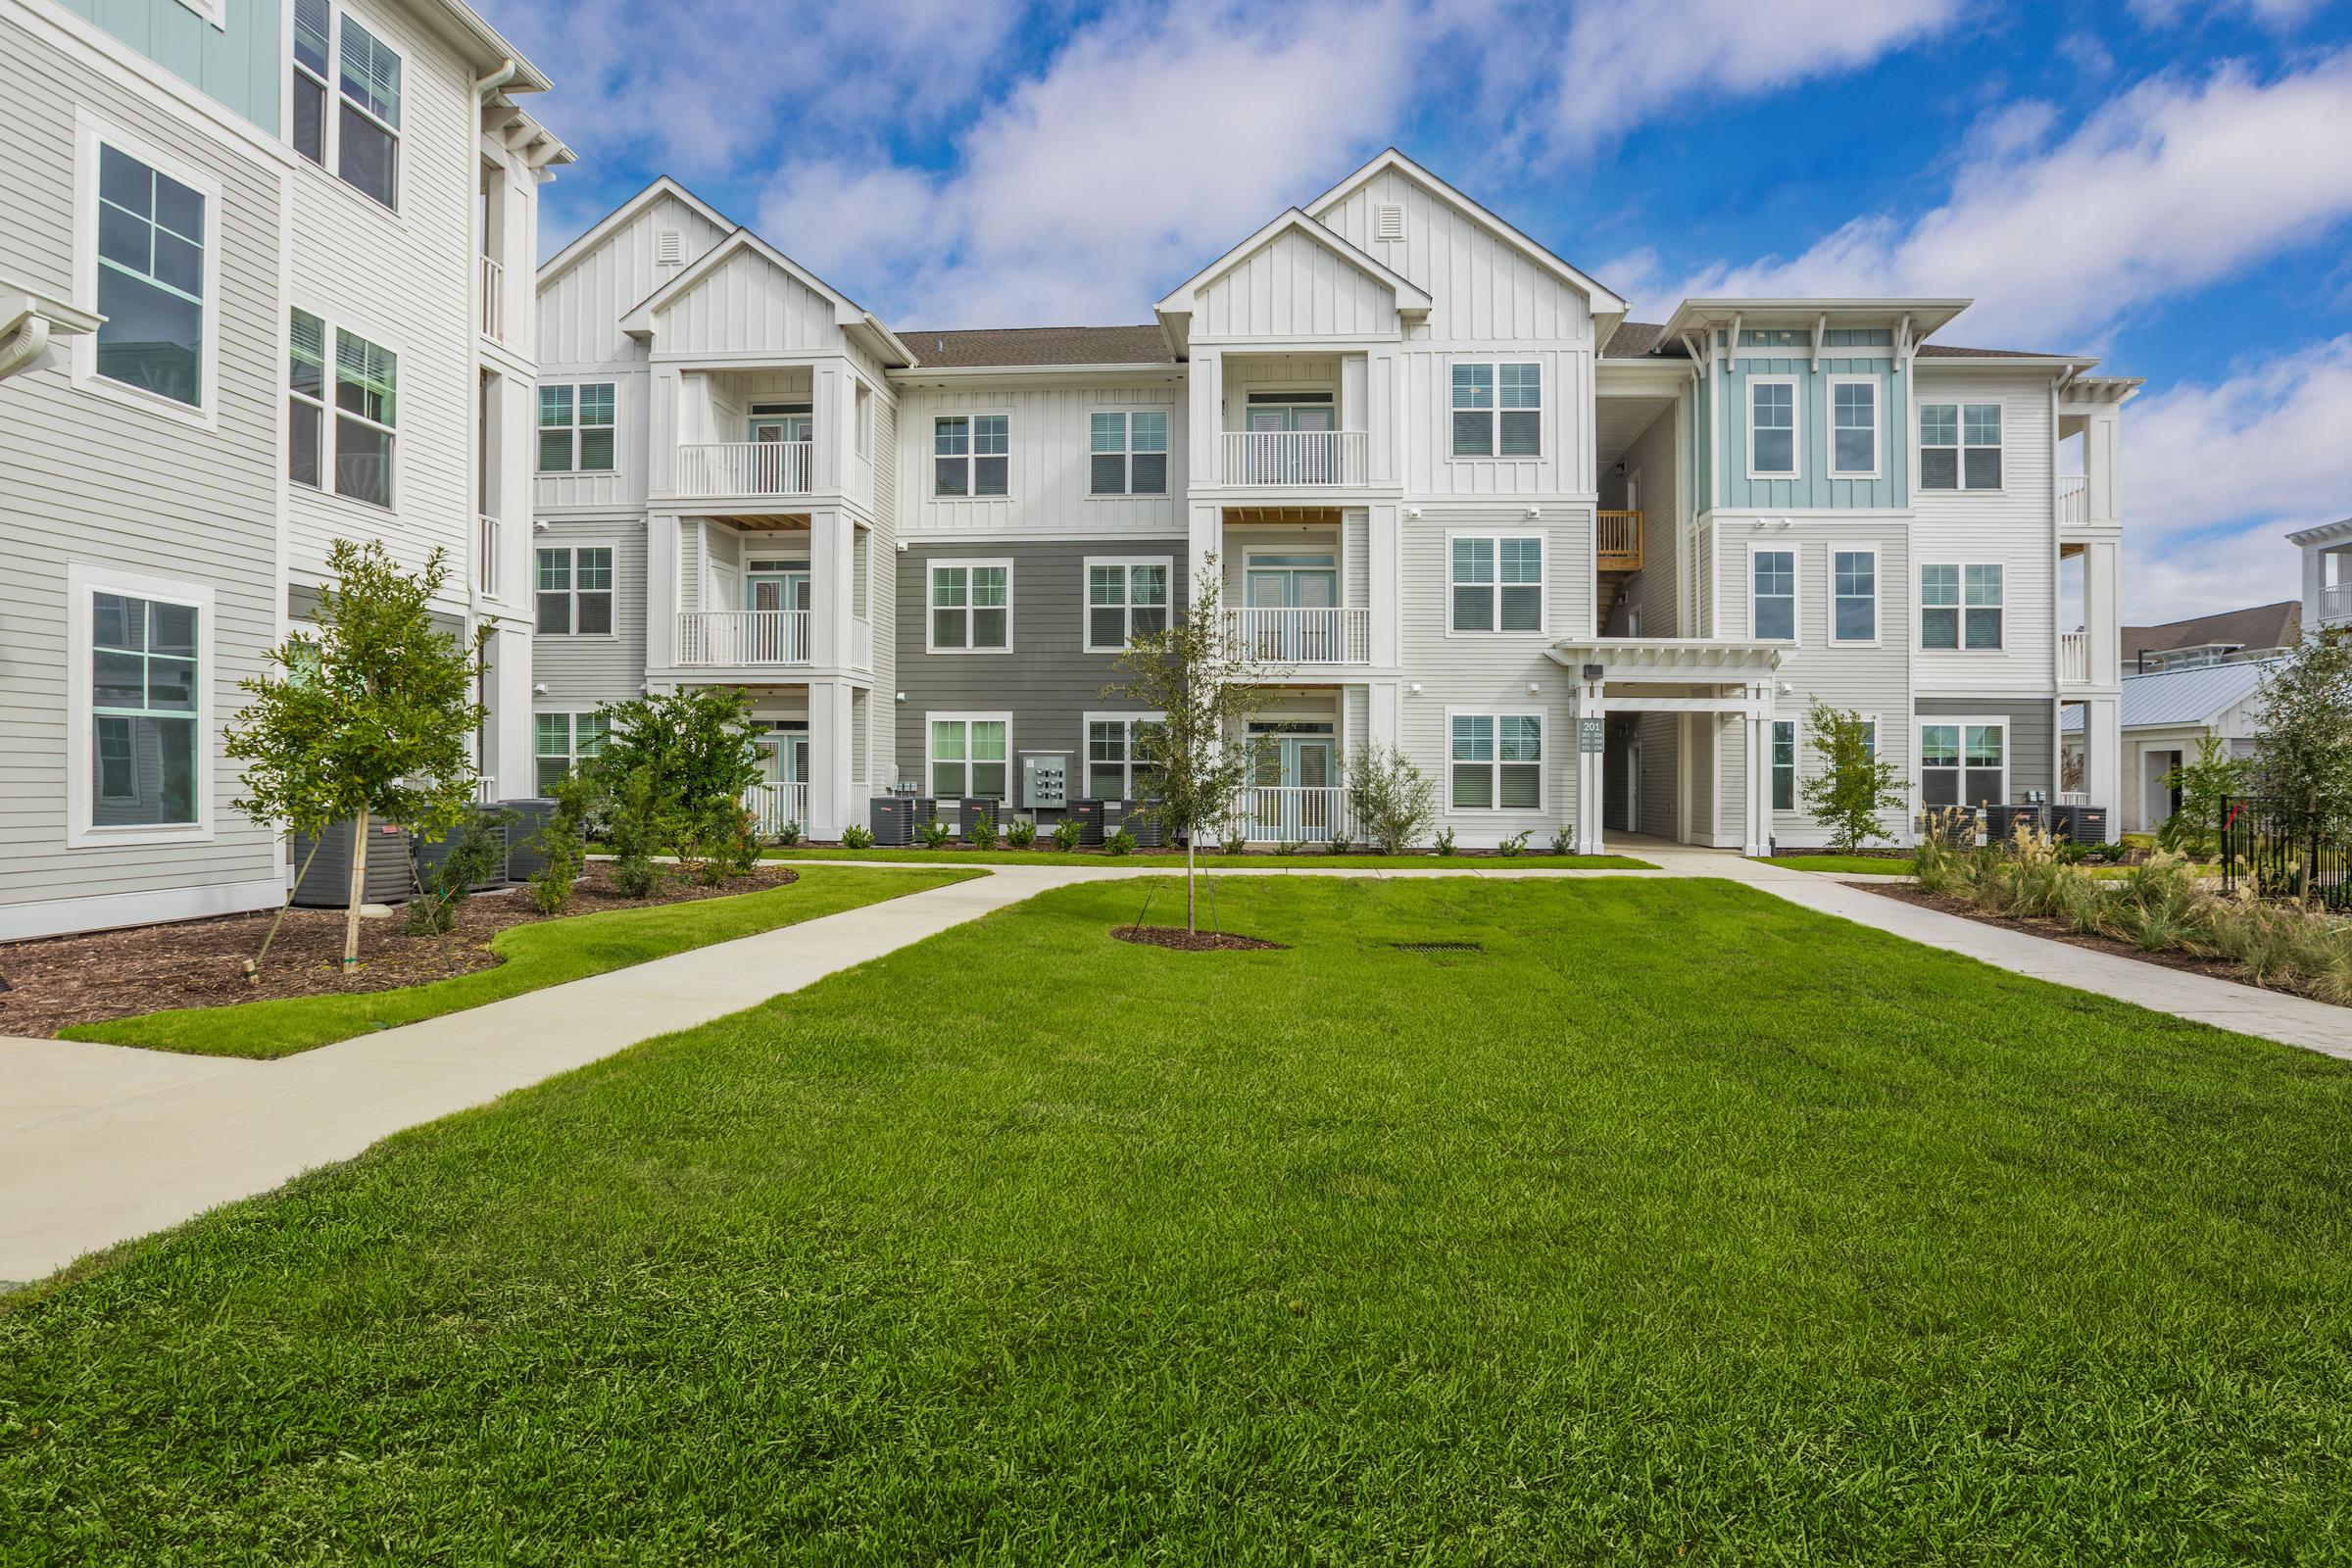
(662, 590)
(832, 800)
(1590, 768)
(829, 573)
(1383, 542)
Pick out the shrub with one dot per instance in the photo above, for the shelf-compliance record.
(1853, 784)
(1235, 839)
(1394, 799)
(2205, 786)
(936, 835)
(1068, 833)
(1512, 847)
(562, 840)
(789, 834)
(1022, 833)
(1443, 842)
(983, 834)
(734, 844)
(476, 852)
(1339, 844)
(634, 876)
(1120, 843)
(1562, 841)
(856, 837)
(1290, 846)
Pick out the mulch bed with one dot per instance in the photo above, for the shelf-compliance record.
(2166, 959)
(1183, 941)
(57, 981)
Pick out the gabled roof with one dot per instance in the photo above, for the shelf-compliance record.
(2279, 625)
(1411, 297)
(1013, 347)
(573, 254)
(1602, 300)
(848, 313)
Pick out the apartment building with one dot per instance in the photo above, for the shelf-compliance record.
(1587, 571)
(263, 285)
(2326, 575)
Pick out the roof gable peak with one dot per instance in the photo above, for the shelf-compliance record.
(1411, 297)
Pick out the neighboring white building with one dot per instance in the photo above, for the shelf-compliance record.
(263, 285)
(2326, 574)
(2164, 717)
(1587, 572)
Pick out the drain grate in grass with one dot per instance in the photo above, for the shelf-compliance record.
(1438, 946)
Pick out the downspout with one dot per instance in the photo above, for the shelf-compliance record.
(484, 86)
(31, 336)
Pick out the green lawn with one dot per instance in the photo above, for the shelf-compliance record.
(1158, 860)
(1844, 864)
(1679, 1224)
(534, 956)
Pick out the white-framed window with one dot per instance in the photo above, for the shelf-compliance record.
(1853, 595)
(972, 607)
(1960, 607)
(359, 139)
(968, 754)
(561, 742)
(306, 400)
(139, 709)
(1126, 597)
(971, 455)
(1127, 452)
(1772, 594)
(1114, 768)
(147, 242)
(1494, 583)
(576, 427)
(1783, 764)
(357, 446)
(573, 588)
(1963, 761)
(1496, 761)
(1959, 446)
(861, 421)
(1853, 427)
(1772, 427)
(1497, 409)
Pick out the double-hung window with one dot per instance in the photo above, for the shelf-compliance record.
(1496, 583)
(1960, 446)
(968, 757)
(1783, 764)
(361, 140)
(306, 401)
(145, 684)
(1115, 769)
(1960, 607)
(1772, 600)
(152, 231)
(575, 587)
(1961, 764)
(1853, 428)
(1498, 411)
(313, 31)
(575, 428)
(972, 607)
(1124, 600)
(971, 454)
(367, 377)
(1772, 427)
(1854, 596)
(564, 741)
(1497, 762)
(1128, 454)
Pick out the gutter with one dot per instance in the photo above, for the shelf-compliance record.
(29, 320)
(484, 86)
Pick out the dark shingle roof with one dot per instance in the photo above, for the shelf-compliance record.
(1010, 346)
(2279, 625)
(1635, 340)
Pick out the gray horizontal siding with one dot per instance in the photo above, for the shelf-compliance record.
(2032, 735)
(579, 673)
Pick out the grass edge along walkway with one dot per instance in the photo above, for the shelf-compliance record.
(536, 955)
(1213, 864)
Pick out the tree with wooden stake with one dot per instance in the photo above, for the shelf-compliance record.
(2303, 747)
(369, 717)
(1204, 682)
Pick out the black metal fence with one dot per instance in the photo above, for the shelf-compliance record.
(2257, 850)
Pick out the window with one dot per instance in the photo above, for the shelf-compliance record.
(861, 423)
(1772, 602)
(1960, 607)
(574, 585)
(145, 683)
(368, 124)
(365, 406)
(1497, 410)
(1783, 764)
(562, 741)
(1854, 595)
(151, 231)
(1854, 429)
(311, 31)
(1129, 454)
(1960, 446)
(1124, 600)
(306, 400)
(1115, 769)
(575, 428)
(1497, 583)
(968, 757)
(969, 454)
(972, 607)
(1961, 764)
(1497, 762)
(1772, 427)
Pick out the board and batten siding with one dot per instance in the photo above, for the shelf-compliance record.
(2012, 527)
(581, 305)
(1813, 487)
(1481, 287)
(1292, 287)
(747, 305)
(88, 479)
(1050, 475)
(579, 673)
(238, 66)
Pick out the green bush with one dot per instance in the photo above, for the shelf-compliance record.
(1022, 833)
(1120, 843)
(1339, 844)
(1562, 841)
(634, 876)
(1512, 847)
(478, 852)
(1443, 844)
(856, 837)
(789, 834)
(936, 835)
(983, 833)
(1068, 833)
(1237, 840)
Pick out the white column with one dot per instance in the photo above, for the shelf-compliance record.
(1759, 771)
(510, 758)
(1592, 815)
(832, 804)
(2103, 756)
(1204, 539)
(662, 431)
(2315, 588)
(828, 404)
(661, 591)
(2102, 610)
(1382, 542)
(829, 570)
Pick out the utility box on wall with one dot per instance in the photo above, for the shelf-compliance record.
(1045, 780)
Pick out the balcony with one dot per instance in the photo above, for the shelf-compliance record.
(1619, 540)
(2336, 604)
(487, 541)
(861, 643)
(494, 301)
(1293, 814)
(743, 637)
(1328, 458)
(774, 805)
(746, 468)
(2074, 657)
(2072, 497)
(1302, 636)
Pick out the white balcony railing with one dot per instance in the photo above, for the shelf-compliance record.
(487, 539)
(2074, 657)
(774, 805)
(862, 644)
(494, 301)
(1328, 636)
(2072, 497)
(743, 637)
(2336, 604)
(1296, 457)
(746, 468)
(1294, 814)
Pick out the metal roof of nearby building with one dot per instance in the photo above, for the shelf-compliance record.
(2260, 626)
(2180, 697)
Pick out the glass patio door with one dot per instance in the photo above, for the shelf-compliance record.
(1292, 588)
(1280, 454)
(778, 636)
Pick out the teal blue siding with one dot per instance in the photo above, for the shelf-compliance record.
(1813, 487)
(236, 66)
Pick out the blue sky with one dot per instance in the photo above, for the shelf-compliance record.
(2167, 183)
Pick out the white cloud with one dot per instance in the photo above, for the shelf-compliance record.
(2269, 13)
(2171, 186)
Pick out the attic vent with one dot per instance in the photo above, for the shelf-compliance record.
(1387, 222)
(669, 248)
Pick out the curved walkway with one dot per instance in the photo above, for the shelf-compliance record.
(101, 1144)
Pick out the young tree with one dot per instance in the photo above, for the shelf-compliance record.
(2303, 745)
(1390, 798)
(674, 769)
(370, 717)
(2205, 786)
(1205, 682)
(1852, 785)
